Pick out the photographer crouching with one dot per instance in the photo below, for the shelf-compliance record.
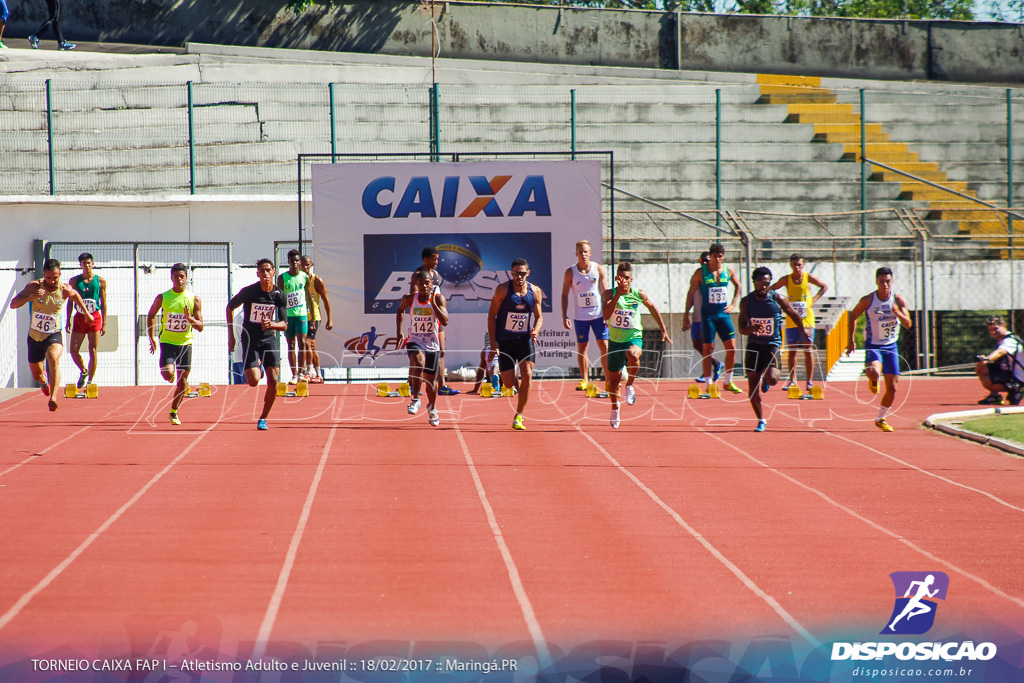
(1003, 369)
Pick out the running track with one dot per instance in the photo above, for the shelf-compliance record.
(350, 522)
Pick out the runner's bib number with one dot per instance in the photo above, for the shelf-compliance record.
(422, 324)
(587, 299)
(763, 327)
(800, 307)
(516, 322)
(177, 322)
(260, 312)
(294, 299)
(44, 322)
(718, 295)
(622, 319)
(91, 305)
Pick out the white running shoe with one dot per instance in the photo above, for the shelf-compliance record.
(432, 417)
(630, 396)
(615, 418)
(414, 406)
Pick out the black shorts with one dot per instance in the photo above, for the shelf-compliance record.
(515, 351)
(176, 355)
(429, 357)
(314, 325)
(760, 357)
(264, 348)
(37, 349)
(999, 375)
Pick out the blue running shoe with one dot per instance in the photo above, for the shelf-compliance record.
(262, 425)
(447, 391)
(34, 42)
(765, 387)
(719, 365)
(761, 425)
(66, 46)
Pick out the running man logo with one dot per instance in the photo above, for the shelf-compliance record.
(418, 197)
(914, 611)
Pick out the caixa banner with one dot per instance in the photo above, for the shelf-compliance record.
(372, 221)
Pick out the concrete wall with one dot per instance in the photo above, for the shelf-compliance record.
(854, 48)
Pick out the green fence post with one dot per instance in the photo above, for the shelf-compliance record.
(191, 141)
(435, 123)
(718, 157)
(863, 177)
(1009, 162)
(572, 120)
(49, 130)
(334, 137)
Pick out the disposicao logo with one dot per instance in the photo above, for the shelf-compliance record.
(418, 197)
(916, 601)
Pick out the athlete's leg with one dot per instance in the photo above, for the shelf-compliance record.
(633, 363)
(526, 369)
(53, 354)
(730, 356)
(180, 389)
(809, 360)
(890, 390)
(708, 349)
(791, 364)
(270, 395)
(441, 381)
(582, 362)
(75, 347)
(94, 356)
(754, 393)
(292, 356)
(602, 346)
(416, 360)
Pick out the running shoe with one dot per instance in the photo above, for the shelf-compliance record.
(764, 388)
(262, 425)
(66, 46)
(731, 386)
(517, 423)
(872, 386)
(718, 367)
(761, 425)
(810, 387)
(883, 425)
(45, 388)
(582, 386)
(2, 46)
(630, 396)
(992, 399)
(615, 418)
(447, 391)
(789, 384)
(700, 380)
(34, 42)
(414, 406)
(83, 380)
(432, 417)
(174, 418)
(316, 379)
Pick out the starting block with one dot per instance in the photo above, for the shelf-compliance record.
(91, 391)
(487, 390)
(196, 391)
(594, 392)
(817, 393)
(508, 391)
(695, 391)
(299, 389)
(384, 390)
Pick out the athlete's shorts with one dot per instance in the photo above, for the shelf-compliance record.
(617, 353)
(793, 337)
(37, 349)
(176, 355)
(999, 375)
(4, 12)
(265, 349)
(716, 322)
(81, 324)
(888, 355)
(695, 334)
(313, 326)
(429, 357)
(296, 325)
(760, 357)
(584, 327)
(515, 351)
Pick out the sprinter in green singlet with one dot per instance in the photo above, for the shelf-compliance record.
(93, 290)
(293, 284)
(182, 313)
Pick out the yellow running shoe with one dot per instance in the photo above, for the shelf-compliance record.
(174, 418)
(517, 423)
(884, 426)
(582, 385)
(873, 386)
(731, 386)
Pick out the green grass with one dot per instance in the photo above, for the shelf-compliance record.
(1009, 427)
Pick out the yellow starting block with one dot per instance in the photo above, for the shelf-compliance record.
(817, 393)
(384, 390)
(196, 391)
(594, 392)
(91, 391)
(508, 391)
(487, 390)
(696, 391)
(299, 389)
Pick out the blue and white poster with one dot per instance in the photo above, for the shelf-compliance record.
(371, 222)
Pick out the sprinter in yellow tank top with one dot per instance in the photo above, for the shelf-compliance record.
(798, 292)
(182, 313)
(45, 345)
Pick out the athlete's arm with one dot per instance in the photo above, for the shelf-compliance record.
(27, 294)
(71, 294)
(281, 324)
(71, 309)
(736, 291)
(566, 284)
(602, 279)
(851, 326)
(492, 312)
(900, 309)
(403, 304)
(158, 302)
(694, 286)
(611, 297)
(440, 307)
(196, 317)
(232, 305)
(781, 282)
(793, 315)
(538, 312)
(657, 316)
(103, 306)
(321, 289)
(817, 282)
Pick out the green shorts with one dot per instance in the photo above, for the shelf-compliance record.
(297, 324)
(617, 353)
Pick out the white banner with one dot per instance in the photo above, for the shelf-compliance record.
(371, 222)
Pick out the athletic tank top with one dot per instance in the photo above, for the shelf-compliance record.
(515, 317)
(46, 309)
(625, 325)
(714, 291)
(423, 324)
(90, 292)
(295, 293)
(765, 316)
(800, 299)
(312, 299)
(883, 327)
(586, 297)
(174, 327)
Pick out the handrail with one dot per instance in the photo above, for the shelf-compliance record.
(667, 208)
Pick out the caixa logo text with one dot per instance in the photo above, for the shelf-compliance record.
(441, 200)
(947, 652)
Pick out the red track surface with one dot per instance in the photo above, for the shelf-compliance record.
(350, 521)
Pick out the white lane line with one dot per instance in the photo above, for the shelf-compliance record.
(267, 627)
(529, 616)
(737, 572)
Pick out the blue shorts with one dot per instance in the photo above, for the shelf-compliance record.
(584, 327)
(4, 12)
(695, 331)
(716, 322)
(793, 337)
(888, 355)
